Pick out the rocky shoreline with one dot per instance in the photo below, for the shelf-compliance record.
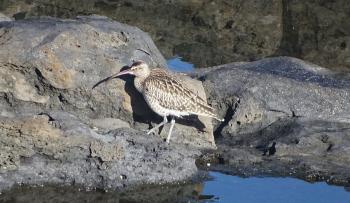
(55, 129)
(284, 116)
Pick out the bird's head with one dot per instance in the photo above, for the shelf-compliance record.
(138, 69)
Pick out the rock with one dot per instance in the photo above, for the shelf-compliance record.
(63, 60)
(274, 88)
(58, 148)
(209, 33)
(56, 69)
(301, 107)
(55, 129)
(16, 84)
(108, 124)
(204, 32)
(3, 17)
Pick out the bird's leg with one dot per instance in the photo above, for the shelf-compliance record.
(165, 120)
(171, 129)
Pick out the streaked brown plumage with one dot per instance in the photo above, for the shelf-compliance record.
(166, 90)
(166, 94)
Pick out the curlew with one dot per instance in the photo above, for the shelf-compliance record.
(165, 94)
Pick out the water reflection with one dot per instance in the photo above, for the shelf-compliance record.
(221, 188)
(228, 188)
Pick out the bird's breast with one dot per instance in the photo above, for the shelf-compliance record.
(138, 84)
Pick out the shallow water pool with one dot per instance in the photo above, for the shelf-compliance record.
(226, 188)
(220, 188)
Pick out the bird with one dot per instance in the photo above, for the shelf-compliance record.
(165, 94)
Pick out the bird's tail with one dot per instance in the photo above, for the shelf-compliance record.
(213, 116)
(208, 111)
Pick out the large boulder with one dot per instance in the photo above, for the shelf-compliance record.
(54, 128)
(303, 108)
(273, 88)
(52, 64)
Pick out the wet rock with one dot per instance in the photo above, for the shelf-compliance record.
(147, 194)
(301, 107)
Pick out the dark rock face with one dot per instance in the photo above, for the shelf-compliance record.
(210, 32)
(302, 108)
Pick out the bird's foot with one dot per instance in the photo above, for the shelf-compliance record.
(150, 131)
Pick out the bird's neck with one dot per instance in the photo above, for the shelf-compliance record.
(138, 82)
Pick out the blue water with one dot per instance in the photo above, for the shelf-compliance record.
(226, 188)
(176, 64)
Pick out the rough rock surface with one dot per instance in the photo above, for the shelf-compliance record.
(211, 32)
(303, 108)
(52, 64)
(58, 148)
(63, 59)
(49, 65)
(4, 17)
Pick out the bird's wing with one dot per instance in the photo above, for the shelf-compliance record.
(171, 93)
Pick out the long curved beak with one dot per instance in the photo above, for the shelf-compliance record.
(124, 72)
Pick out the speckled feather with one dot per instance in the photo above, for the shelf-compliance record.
(167, 95)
